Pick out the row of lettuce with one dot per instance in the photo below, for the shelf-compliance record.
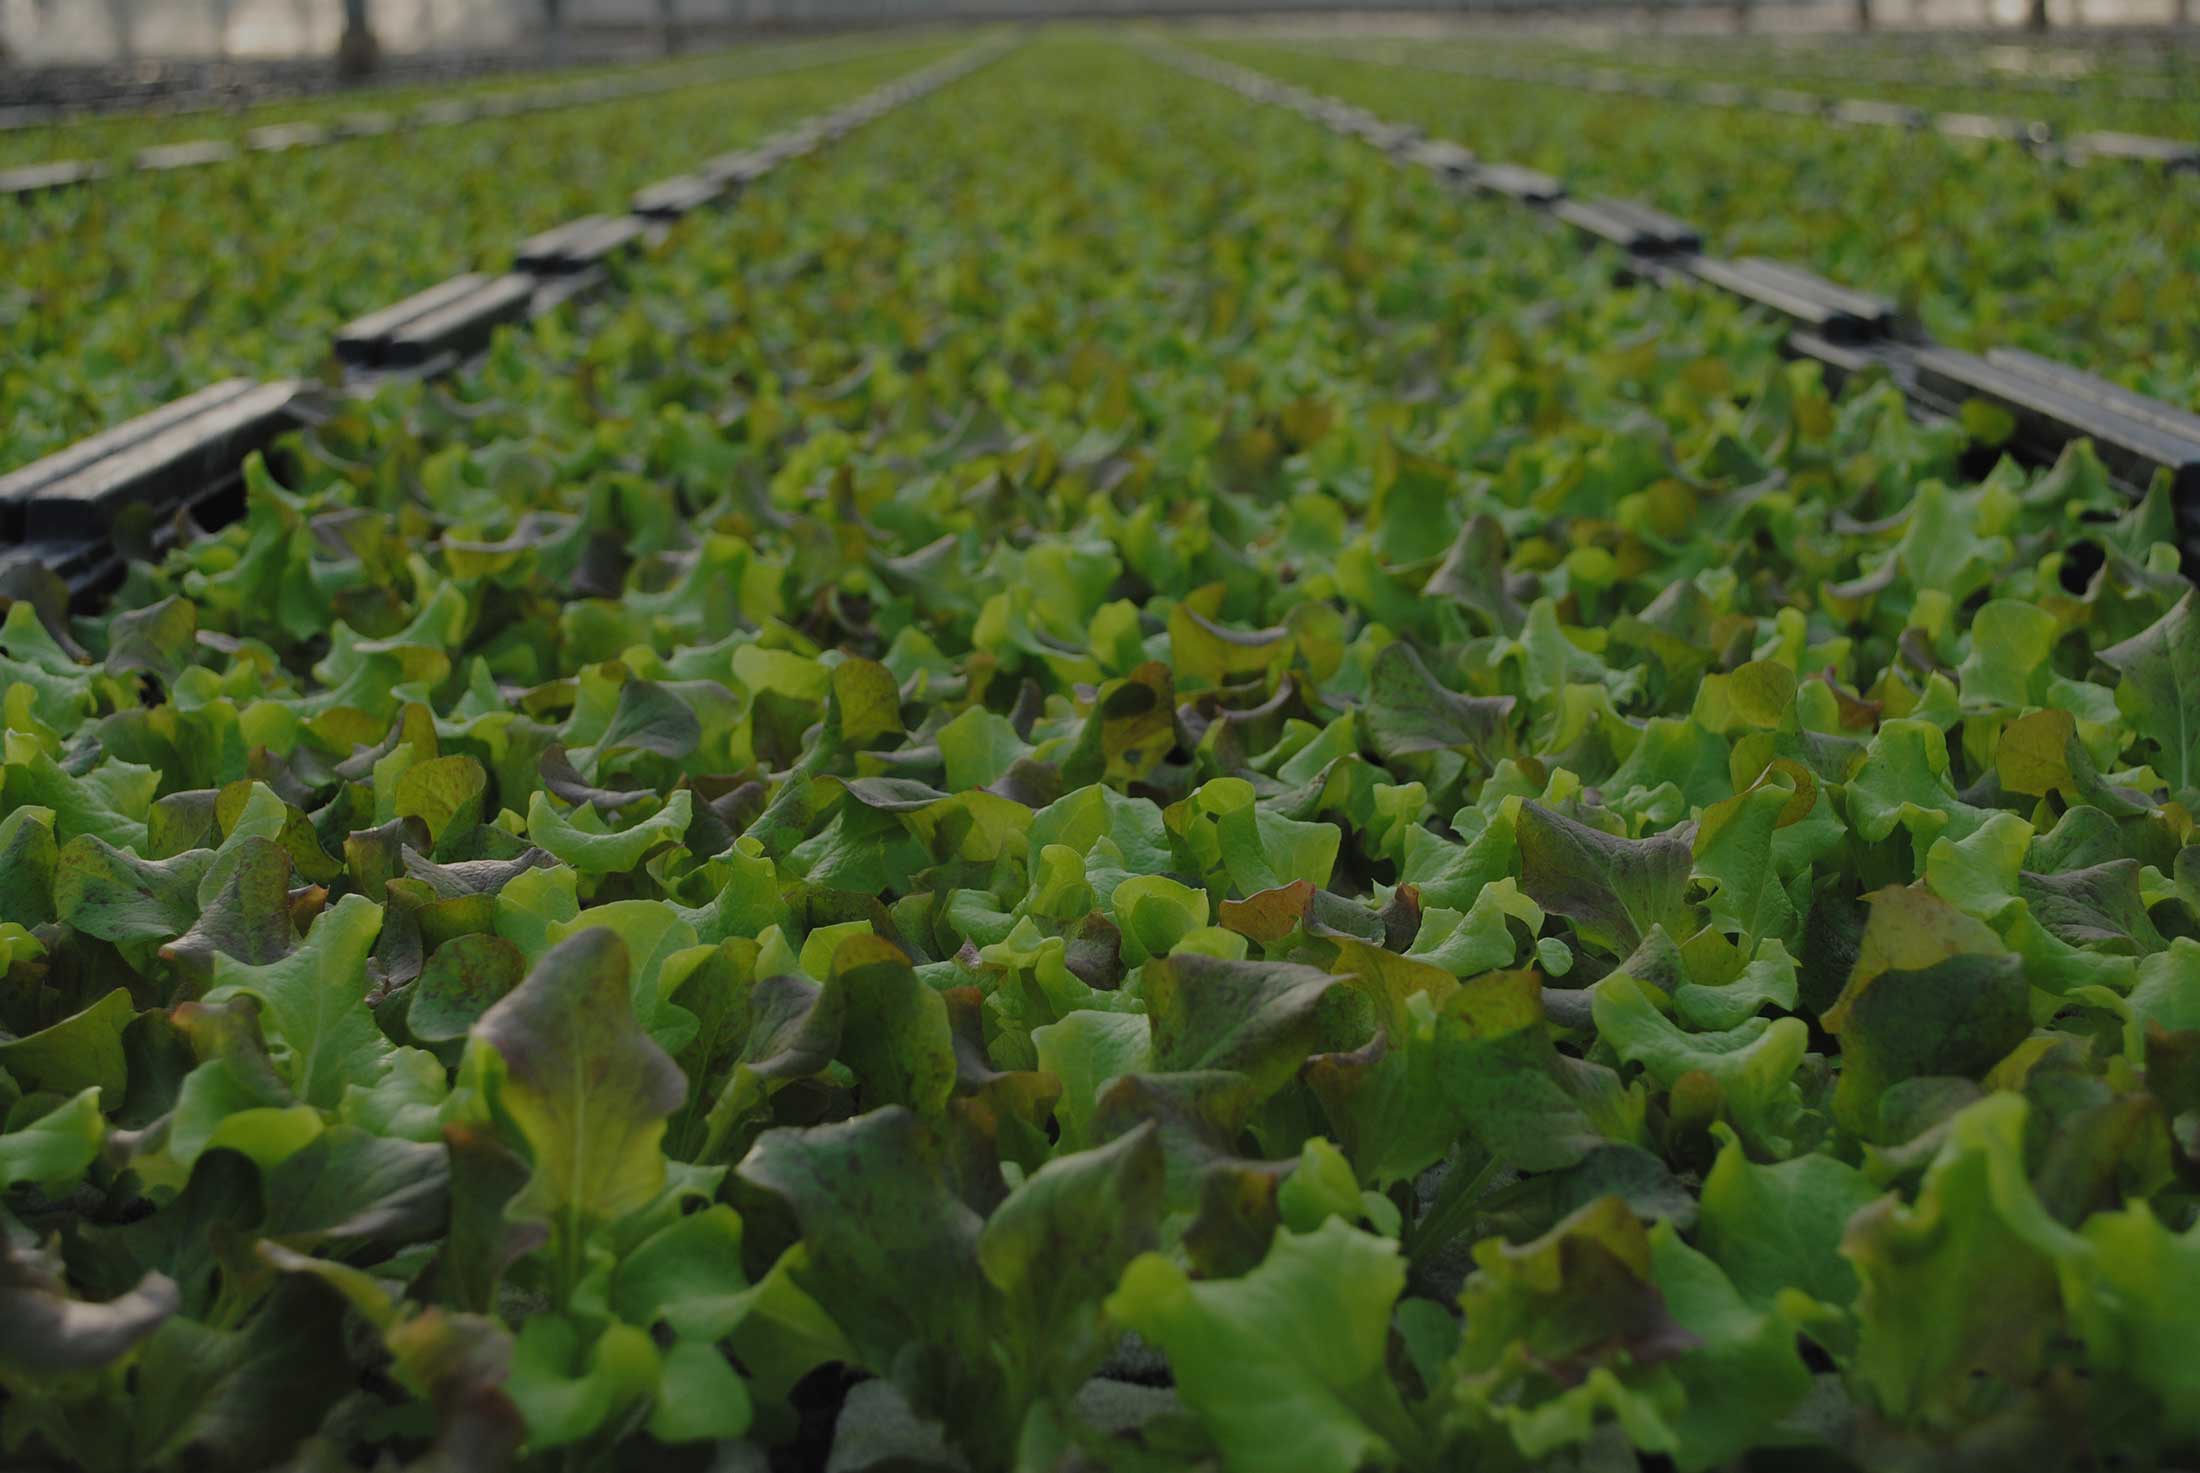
(2074, 89)
(115, 137)
(122, 297)
(1106, 785)
(129, 293)
(1979, 243)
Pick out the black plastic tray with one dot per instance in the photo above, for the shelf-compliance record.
(1394, 138)
(1993, 128)
(669, 199)
(1842, 361)
(165, 157)
(737, 168)
(1864, 112)
(2053, 404)
(17, 486)
(465, 327)
(1637, 229)
(553, 292)
(578, 244)
(794, 143)
(2170, 153)
(171, 457)
(283, 137)
(1342, 116)
(1517, 182)
(1442, 157)
(41, 178)
(1786, 100)
(1836, 312)
(457, 316)
(83, 564)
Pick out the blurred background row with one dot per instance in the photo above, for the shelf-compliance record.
(177, 219)
(88, 31)
(61, 32)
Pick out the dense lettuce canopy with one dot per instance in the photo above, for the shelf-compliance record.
(1105, 785)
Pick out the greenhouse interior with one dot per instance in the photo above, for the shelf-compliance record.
(1145, 736)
